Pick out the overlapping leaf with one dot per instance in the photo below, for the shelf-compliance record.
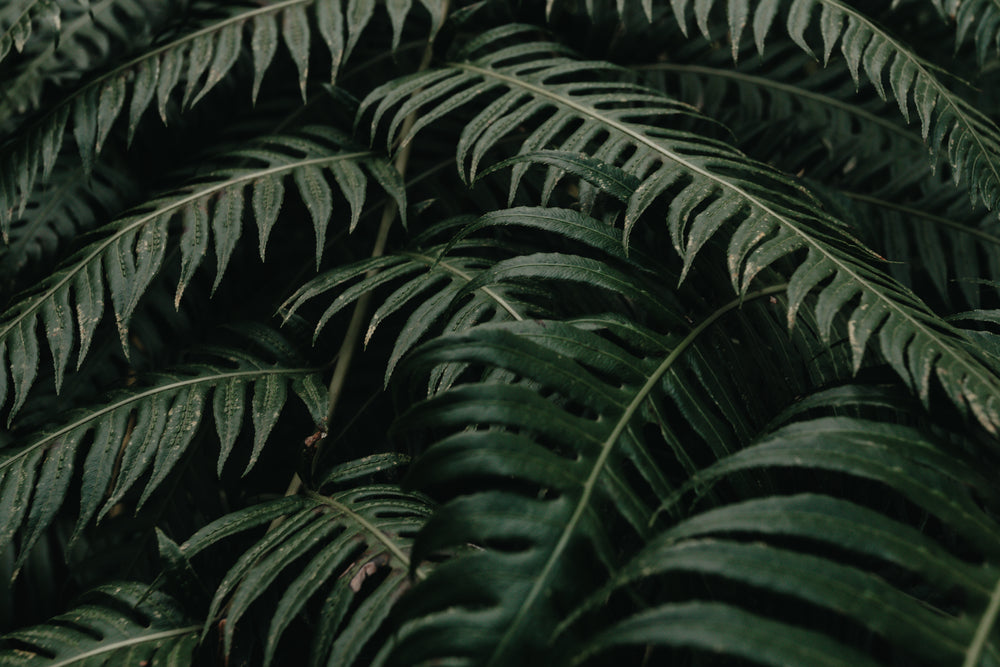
(927, 602)
(707, 184)
(71, 203)
(350, 549)
(88, 36)
(457, 285)
(967, 138)
(124, 623)
(784, 111)
(585, 453)
(200, 58)
(128, 252)
(144, 429)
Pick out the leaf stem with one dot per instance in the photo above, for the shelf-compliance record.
(350, 343)
(986, 624)
(590, 485)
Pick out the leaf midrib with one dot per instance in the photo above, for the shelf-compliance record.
(455, 271)
(370, 527)
(132, 641)
(141, 220)
(606, 447)
(588, 111)
(149, 55)
(981, 635)
(141, 396)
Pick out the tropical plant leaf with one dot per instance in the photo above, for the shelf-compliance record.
(708, 184)
(121, 622)
(979, 19)
(572, 454)
(784, 111)
(969, 139)
(138, 431)
(130, 250)
(727, 630)
(201, 57)
(888, 556)
(934, 236)
(437, 282)
(350, 549)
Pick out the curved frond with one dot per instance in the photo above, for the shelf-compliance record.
(349, 549)
(580, 447)
(918, 595)
(201, 57)
(145, 429)
(707, 183)
(118, 622)
(128, 252)
(966, 137)
(979, 19)
(456, 284)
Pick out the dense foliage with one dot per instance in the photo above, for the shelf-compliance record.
(578, 332)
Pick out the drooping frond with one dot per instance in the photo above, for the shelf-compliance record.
(144, 429)
(865, 565)
(784, 111)
(349, 549)
(979, 19)
(707, 183)
(576, 429)
(200, 57)
(89, 34)
(966, 137)
(453, 286)
(127, 253)
(17, 23)
(125, 623)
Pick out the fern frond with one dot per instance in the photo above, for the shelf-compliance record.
(707, 184)
(788, 541)
(330, 548)
(978, 18)
(784, 111)
(515, 592)
(468, 288)
(932, 236)
(117, 623)
(17, 23)
(130, 250)
(966, 137)
(727, 630)
(150, 427)
(89, 35)
(579, 446)
(201, 57)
